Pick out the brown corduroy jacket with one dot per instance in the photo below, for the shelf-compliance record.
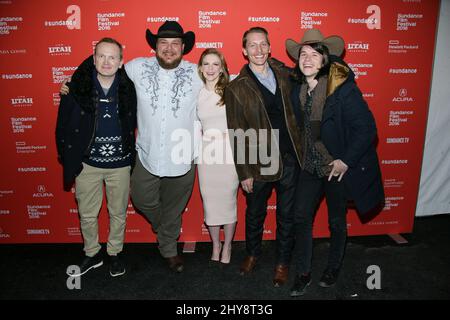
(246, 111)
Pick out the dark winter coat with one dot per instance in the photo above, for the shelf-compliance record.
(77, 116)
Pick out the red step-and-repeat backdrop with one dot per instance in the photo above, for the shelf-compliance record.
(389, 45)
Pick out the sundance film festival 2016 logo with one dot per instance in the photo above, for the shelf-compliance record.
(36, 211)
(373, 22)
(405, 21)
(73, 22)
(60, 74)
(56, 98)
(392, 202)
(19, 125)
(398, 117)
(108, 20)
(360, 69)
(207, 19)
(309, 20)
(9, 24)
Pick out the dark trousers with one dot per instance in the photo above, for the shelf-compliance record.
(162, 201)
(310, 189)
(256, 212)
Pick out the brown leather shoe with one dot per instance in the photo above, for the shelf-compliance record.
(248, 265)
(175, 263)
(281, 275)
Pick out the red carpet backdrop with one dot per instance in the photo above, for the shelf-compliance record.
(389, 45)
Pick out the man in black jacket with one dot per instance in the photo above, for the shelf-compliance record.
(96, 145)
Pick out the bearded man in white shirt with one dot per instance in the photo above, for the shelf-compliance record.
(167, 88)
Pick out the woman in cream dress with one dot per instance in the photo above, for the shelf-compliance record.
(216, 172)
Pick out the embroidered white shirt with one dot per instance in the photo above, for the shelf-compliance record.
(166, 115)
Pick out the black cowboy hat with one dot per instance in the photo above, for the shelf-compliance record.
(171, 29)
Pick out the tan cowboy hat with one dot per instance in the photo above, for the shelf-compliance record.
(335, 44)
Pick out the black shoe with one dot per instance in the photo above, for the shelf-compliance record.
(87, 264)
(116, 267)
(329, 278)
(300, 285)
(176, 263)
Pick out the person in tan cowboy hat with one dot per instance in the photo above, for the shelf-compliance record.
(338, 133)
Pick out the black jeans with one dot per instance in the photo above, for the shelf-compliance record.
(256, 211)
(310, 189)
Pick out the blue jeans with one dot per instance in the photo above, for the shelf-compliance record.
(310, 190)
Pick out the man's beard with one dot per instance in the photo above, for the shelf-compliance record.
(171, 65)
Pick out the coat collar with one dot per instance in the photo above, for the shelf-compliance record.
(338, 74)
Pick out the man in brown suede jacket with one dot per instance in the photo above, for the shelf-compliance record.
(266, 147)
